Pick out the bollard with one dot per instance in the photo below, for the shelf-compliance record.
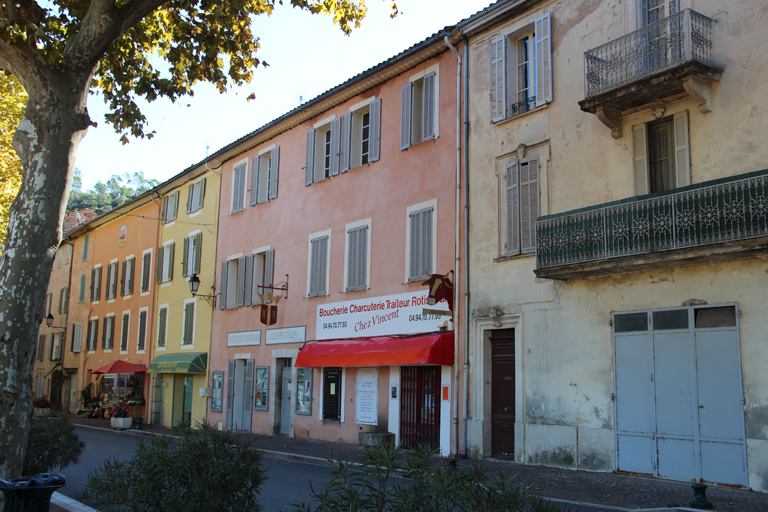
(700, 500)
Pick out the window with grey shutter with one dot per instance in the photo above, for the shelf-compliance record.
(513, 209)
(124, 333)
(142, 330)
(61, 301)
(405, 117)
(189, 324)
(497, 78)
(65, 300)
(248, 395)
(82, 288)
(230, 392)
(374, 152)
(161, 327)
(335, 146)
(145, 271)
(543, 28)
(77, 338)
(241, 281)
(318, 265)
(428, 116)
(421, 244)
(522, 205)
(41, 347)
(238, 188)
(274, 172)
(309, 168)
(332, 394)
(255, 181)
(269, 267)
(223, 286)
(346, 141)
(357, 259)
(249, 264)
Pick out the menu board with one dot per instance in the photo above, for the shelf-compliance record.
(261, 393)
(304, 391)
(367, 396)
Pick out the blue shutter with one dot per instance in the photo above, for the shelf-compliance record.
(82, 287)
(85, 248)
(374, 152)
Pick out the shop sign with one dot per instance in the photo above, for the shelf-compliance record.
(286, 335)
(378, 316)
(367, 396)
(122, 237)
(243, 338)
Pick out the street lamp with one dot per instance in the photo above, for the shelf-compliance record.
(194, 285)
(49, 323)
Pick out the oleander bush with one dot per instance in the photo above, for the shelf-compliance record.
(53, 444)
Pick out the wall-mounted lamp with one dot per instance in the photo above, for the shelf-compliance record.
(49, 323)
(194, 285)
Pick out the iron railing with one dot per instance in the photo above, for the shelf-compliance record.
(698, 215)
(669, 42)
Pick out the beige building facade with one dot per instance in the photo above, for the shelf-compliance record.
(623, 330)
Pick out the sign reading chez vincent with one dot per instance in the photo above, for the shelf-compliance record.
(378, 316)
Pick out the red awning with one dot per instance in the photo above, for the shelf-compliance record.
(379, 351)
(120, 367)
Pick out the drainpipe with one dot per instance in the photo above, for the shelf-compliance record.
(455, 414)
(466, 244)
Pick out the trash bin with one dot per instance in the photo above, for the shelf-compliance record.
(31, 493)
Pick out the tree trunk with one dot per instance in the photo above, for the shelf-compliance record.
(46, 140)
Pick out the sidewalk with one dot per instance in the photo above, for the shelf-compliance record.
(608, 492)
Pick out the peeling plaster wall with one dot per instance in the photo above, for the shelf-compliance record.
(566, 417)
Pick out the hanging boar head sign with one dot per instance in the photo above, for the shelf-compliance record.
(440, 287)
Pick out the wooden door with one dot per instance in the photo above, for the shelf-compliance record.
(503, 393)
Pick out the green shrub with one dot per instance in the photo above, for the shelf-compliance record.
(380, 481)
(53, 443)
(196, 470)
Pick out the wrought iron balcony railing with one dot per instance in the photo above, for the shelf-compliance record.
(669, 42)
(724, 210)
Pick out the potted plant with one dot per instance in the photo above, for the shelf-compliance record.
(42, 406)
(120, 419)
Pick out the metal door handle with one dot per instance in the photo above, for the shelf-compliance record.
(701, 407)
(506, 409)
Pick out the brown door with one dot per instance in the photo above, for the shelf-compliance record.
(420, 406)
(503, 393)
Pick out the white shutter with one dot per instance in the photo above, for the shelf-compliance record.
(374, 144)
(513, 210)
(335, 148)
(240, 281)
(223, 286)
(529, 204)
(544, 59)
(309, 169)
(77, 337)
(346, 142)
(248, 280)
(428, 117)
(273, 176)
(405, 117)
(682, 149)
(640, 157)
(255, 180)
(498, 78)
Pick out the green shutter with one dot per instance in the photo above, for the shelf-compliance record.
(85, 248)
(164, 210)
(189, 197)
(82, 287)
(189, 322)
(170, 260)
(184, 257)
(202, 193)
(160, 251)
(122, 278)
(198, 251)
(161, 327)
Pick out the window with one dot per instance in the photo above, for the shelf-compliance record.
(146, 269)
(48, 304)
(196, 196)
(238, 187)
(93, 333)
(68, 254)
(82, 288)
(111, 286)
(361, 136)
(190, 258)
(170, 208)
(303, 390)
(108, 332)
(357, 257)
(650, 11)
(264, 175)
(59, 255)
(165, 262)
(262, 265)
(418, 117)
(126, 281)
(217, 391)
(318, 266)
(142, 338)
(96, 283)
(420, 242)
(661, 154)
(521, 70)
(332, 390)
(261, 394)
(522, 179)
(77, 338)
(63, 300)
(233, 278)
(41, 347)
(188, 332)
(85, 247)
(55, 354)
(162, 326)
(323, 148)
(124, 331)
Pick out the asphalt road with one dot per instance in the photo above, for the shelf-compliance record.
(287, 483)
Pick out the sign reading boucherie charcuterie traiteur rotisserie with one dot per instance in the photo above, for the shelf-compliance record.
(378, 316)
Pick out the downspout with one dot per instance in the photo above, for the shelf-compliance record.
(455, 414)
(155, 291)
(466, 245)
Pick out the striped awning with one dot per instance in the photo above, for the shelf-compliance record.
(184, 362)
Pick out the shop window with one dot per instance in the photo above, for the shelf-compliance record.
(332, 391)
(304, 391)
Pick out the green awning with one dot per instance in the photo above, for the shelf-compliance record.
(186, 362)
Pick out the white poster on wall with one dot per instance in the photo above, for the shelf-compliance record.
(367, 396)
(243, 338)
(379, 316)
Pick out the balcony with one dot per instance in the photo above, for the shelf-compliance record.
(659, 61)
(718, 220)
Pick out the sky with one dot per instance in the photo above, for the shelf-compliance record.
(307, 55)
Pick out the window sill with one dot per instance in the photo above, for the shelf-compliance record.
(94, 302)
(187, 347)
(515, 257)
(107, 350)
(422, 142)
(124, 351)
(160, 349)
(144, 294)
(165, 284)
(510, 119)
(126, 297)
(110, 301)
(195, 213)
(169, 224)
(141, 351)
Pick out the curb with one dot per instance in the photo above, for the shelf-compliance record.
(70, 504)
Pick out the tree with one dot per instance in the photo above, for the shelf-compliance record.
(12, 102)
(60, 51)
(105, 197)
(53, 444)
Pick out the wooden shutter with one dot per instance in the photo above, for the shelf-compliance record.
(428, 117)
(104, 330)
(142, 338)
(85, 247)
(415, 270)
(131, 274)
(124, 334)
(82, 287)
(543, 27)
(95, 333)
(77, 337)
(230, 392)
(41, 347)
(122, 277)
(405, 117)
(332, 394)
(255, 180)
(190, 194)
(93, 284)
(65, 300)
(309, 168)
(269, 267)
(175, 205)
(98, 283)
(249, 261)
(318, 266)
(201, 200)
(113, 288)
(335, 146)
(426, 242)
(529, 204)
(640, 157)
(240, 281)
(357, 258)
(112, 332)
(513, 210)
(184, 255)
(189, 323)
(374, 151)
(61, 301)
(682, 149)
(162, 326)
(108, 284)
(273, 176)
(171, 250)
(223, 285)
(498, 86)
(88, 337)
(421, 244)
(198, 253)
(160, 258)
(642, 13)
(146, 268)
(248, 395)
(164, 211)
(346, 142)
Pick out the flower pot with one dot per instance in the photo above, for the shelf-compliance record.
(121, 423)
(42, 412)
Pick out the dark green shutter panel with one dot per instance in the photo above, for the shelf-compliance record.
(164, 211)
(124, 338)
(112, 332)
(275, 172)
(428, 116)
(175, 205)
(85, 248)
(142, 330)
(161, 327)
(108, 284)
(160, 251)
(230, 392)
(374, 151)
(146, 268)
(122, 277)
(189, 322)
(310, 168)
(405, 117)
(104, 330)
(41, 347)
(202, 193)
(184, 257)
(171, 249)
(131, 273)
(82, 287)
(198, 252)
(190, 193)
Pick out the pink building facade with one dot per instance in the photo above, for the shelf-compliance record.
(342, 209)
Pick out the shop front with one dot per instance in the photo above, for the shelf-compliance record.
(179, 386)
